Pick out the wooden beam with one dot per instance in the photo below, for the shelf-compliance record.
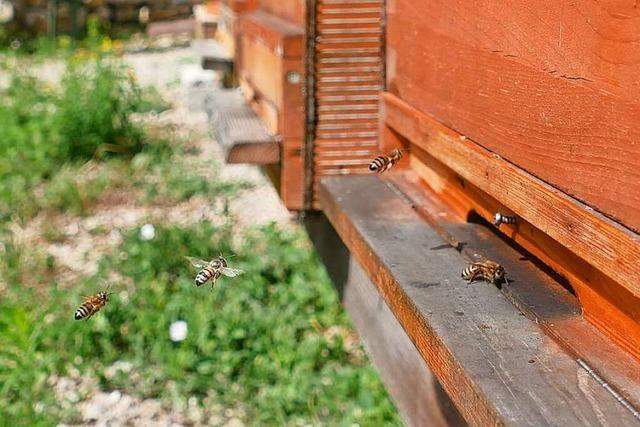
(413, 387)
(242, 135)
(601, 242)
(537, 294)
(496, 365)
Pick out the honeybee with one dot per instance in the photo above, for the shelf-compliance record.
(383, 163)
(92, 305)
(212, 270)
(498, 219)
(490, 271)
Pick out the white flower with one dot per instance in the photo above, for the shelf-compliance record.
(147, 232)
(178, 331)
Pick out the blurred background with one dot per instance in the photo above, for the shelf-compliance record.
(109, 176)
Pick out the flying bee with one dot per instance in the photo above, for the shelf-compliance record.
(383, 163)
(490, 271)
(498, 219)
(92, 305)
(212, 270)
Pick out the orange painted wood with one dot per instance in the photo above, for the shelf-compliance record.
(286, 39)
(550, 85)
(349, 69)
(601, 242)
(271, 49)
(595, 254)
(240, 5)
(496, 365)
(293, 11)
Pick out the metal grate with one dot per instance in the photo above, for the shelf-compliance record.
(349, 75)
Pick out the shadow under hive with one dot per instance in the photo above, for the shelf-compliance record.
(349, 73)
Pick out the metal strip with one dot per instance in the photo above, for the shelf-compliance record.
(624, 402)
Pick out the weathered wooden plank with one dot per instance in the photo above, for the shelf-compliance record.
(414, 389)
(550, 85)
(609, 247)
(603, 301)
(240, 131)
(537, 294)
(496, 365)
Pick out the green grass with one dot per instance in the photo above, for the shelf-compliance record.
(50, 135)
(273, 342)
(258, 340)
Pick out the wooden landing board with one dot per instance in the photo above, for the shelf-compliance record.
(240, 131)
(497, 366)
(538, 295)
(213, 55)
(413, 387)
(601, 242)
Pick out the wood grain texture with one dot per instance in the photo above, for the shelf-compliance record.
(474, 340)
(283, 37)
(271, 48)
(552, 86)
(601, 242)
(412, 386)
(535, 292)
(614, 309)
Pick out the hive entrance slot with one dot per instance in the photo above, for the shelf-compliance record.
(474, 218)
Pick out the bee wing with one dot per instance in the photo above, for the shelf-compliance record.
(231, 272)
(196, 262)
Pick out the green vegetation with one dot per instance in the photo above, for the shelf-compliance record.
(273, 340)
(43, 128)
(49, 133)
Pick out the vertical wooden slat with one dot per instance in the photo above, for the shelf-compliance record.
(349, 75)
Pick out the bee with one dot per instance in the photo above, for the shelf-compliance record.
(383, 163)
(212, 270)
(92, 305)
(490, 271)
(498, 219)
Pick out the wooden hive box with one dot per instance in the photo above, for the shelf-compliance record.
(530, 111)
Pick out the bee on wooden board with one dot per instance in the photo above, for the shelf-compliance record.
(489, 271)
(498, 219)
(212, 270)
(383, 163)
(92, 305)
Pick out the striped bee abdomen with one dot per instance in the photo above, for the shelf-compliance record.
(204, 275)
(83, 311)
(384, 163)
(470, 272)
(378, 164)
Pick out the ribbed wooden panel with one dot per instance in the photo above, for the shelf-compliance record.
(349, 76)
